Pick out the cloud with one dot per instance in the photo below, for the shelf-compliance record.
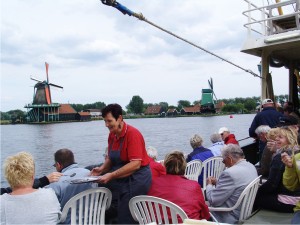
(98, 54)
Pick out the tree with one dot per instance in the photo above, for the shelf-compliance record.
(250, 104)
(164, 106)
(183, 103)
(136, 105)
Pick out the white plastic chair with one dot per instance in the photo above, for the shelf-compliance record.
(88, 207)
(193, 169)
(212, 167)
(246, 201)
(147, 209)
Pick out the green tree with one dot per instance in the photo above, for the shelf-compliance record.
(164, 106)
(250, 104)
(4, 116)
(183, 103)
(136, 105)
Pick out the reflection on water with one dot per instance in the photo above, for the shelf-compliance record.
(88, 139)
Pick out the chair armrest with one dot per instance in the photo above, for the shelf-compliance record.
(221, 209)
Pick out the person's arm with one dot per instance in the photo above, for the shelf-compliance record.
(124, 171)
(252, 128)
(224, 189)
(46, 180)
(104, 168)
(290, 177)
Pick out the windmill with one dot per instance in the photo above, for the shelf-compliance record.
(42, 94)
(207, 100)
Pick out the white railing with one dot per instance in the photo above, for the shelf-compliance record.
(262, 20)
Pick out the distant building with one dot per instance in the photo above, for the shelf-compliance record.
(172, 112)
(83, 116)
(219, 106)
(154, 110)
(67, 112)
(192, 110)
(95, 113)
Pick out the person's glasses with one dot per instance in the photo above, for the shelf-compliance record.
(54, 165)
(222, 134)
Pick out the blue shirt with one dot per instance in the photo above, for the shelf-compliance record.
(202, 154)
(216, 148)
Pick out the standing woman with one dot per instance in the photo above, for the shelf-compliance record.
(127, 161)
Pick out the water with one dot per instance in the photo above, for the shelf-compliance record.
(88, 140)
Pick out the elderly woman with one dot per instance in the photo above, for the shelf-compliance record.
(26, 205)
(176, 188)
(157, 169)
(199, 152)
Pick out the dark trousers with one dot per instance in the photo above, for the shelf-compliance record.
(270, 202)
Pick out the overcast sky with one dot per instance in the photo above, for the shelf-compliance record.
(98, 54)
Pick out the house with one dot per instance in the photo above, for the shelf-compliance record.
(67, 112)
(219, 106)
(83, 116)
(172, 112)
(154, 110)
(192, 110)
(95, 113)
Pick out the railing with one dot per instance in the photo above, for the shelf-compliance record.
(265, 21)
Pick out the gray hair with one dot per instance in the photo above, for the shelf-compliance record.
(152, 152)
(215, 138)
(233, 150)
(196, 141)
(262, 129)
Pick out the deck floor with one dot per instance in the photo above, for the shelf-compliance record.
(270, 217)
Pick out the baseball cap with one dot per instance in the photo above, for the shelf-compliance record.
(223, 129)
(287, 121)
(267, 101)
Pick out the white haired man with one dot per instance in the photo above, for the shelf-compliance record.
(225, 191)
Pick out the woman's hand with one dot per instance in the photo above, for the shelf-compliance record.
(287, 160)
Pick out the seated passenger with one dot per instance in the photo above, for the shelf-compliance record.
(175, 188)
(157, 169)
(265, 161)
(64, 190)
(291, 180)
(26, 205)
(272, 194)
(227, 137)
(199, 152)
(217, 144)
(225, 191)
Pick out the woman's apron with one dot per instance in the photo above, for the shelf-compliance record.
(137, 183)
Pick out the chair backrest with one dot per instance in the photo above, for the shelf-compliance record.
(245, 201)
(212, 167)
(88, 207)
(193, 169)
(247, 198)
(147, 209)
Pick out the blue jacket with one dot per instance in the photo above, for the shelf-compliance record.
(268, 116)
(202, 154)
(64, 190)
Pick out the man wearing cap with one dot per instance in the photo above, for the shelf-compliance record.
(268, 116)
(227, 137)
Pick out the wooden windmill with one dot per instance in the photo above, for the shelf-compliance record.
(42, 94)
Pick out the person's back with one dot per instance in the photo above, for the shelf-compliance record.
(176, 188)
(39, 207)
(64, 190)
(157, 169)
(187, 194)
(217, 144)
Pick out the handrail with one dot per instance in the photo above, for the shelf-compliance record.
(266, 19)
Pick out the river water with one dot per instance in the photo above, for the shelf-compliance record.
(88, 139)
